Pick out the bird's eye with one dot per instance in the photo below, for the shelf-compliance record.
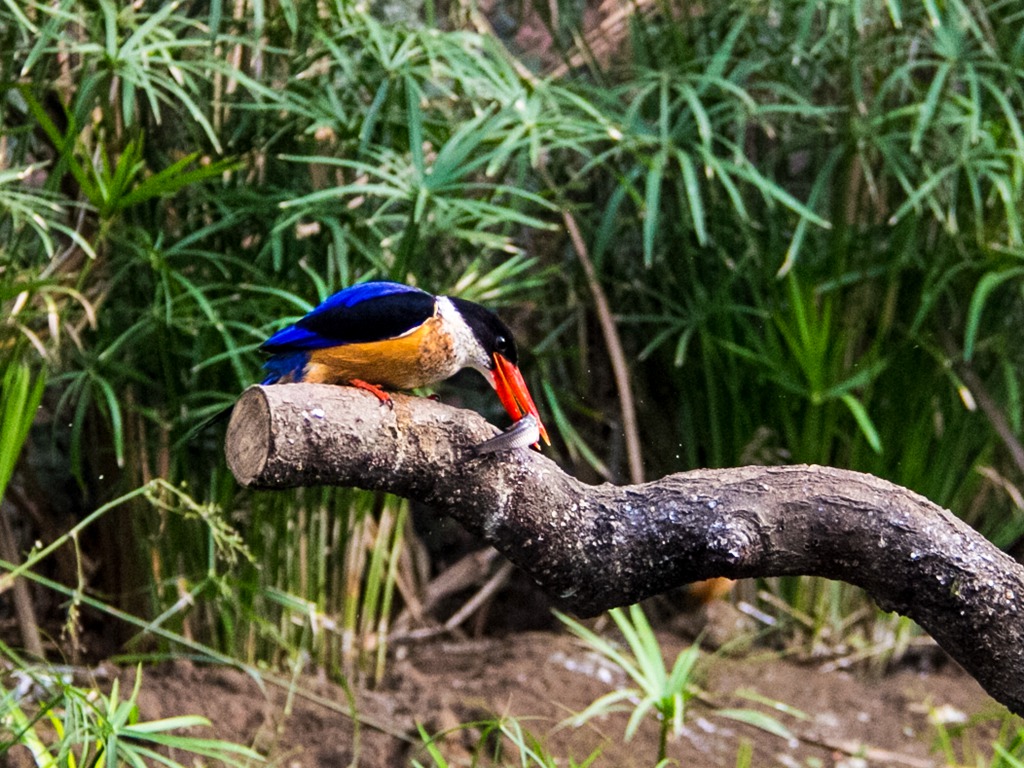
(500, 343)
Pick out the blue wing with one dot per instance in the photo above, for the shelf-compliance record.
(371, 311)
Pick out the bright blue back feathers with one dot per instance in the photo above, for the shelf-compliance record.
(352, 315)
(305, 334)
(357, 294)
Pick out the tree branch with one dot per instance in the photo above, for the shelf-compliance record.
(596, 547)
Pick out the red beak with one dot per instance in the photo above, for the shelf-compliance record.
(508, 383)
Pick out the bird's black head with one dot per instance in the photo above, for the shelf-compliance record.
(493, 335)
(502, 364)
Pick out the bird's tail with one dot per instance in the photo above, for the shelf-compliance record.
(285, 368)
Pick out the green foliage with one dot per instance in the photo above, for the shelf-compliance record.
(503, 741)
(962, 740)
(77, 726)
(20, 396)
(321, 584)
(805, 217)
(30, 219)
(662, 691)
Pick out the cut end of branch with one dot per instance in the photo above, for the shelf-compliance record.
(250, 420)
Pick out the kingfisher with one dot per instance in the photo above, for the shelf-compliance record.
(381, 336)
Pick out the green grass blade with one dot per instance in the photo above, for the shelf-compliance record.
(864, 422)
(758, 720)
(691, 185)
(988, 283)
(929, 106)
(652, 205)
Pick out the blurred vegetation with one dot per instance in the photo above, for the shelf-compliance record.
(659, 691)
(801, 222)
(75, 726)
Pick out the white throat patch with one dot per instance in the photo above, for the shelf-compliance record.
(468, 351)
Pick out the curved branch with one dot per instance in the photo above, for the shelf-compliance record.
(595, 547)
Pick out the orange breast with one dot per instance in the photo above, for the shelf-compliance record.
(406, 362)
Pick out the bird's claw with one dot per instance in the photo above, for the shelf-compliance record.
(380, 394)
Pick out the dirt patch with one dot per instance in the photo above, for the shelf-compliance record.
(542, 678)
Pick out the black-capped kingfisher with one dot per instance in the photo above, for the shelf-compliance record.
(382, 335)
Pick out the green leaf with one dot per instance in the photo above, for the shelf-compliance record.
(1012, 761)
(691, 185)
(928, 107)
(821, 183)
(867, 427)
(575, 442)
(431, 746)
(652, 205)
(601, 645)
(895, 13)
(637, 717)
(865, 375)
(922, 193)
(604, 705)
(166, 724)
(20, 396)
(679, 678)
(759, 720)
(988, 283)
(772, 191)
(171, 180)
(414, 121)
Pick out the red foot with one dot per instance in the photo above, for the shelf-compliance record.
(384, 397)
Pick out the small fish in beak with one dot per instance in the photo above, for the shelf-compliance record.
(515, 397)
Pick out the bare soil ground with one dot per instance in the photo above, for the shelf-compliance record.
(543, 677)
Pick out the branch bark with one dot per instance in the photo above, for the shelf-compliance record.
(596, 547)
